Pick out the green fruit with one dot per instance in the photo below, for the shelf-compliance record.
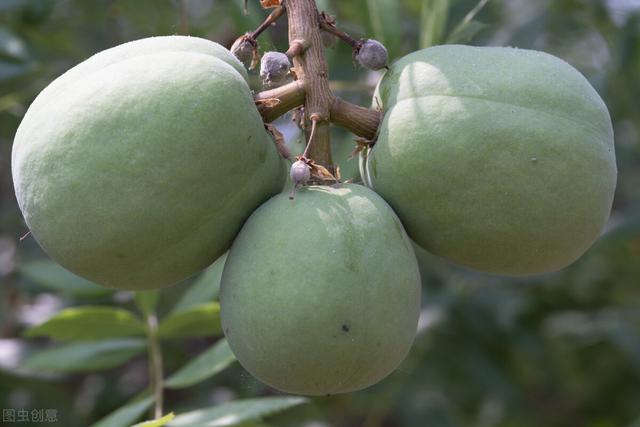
(137, 168)
(498, 159)
(321, 295)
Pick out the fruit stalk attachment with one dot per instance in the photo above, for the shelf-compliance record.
(311, 88)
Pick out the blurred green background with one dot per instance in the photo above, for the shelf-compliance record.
(556, 350)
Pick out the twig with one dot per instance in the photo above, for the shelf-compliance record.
(359, 120)
(328, 24)
(273, 17)
(314, 120)
(155, 365)
(274, 103)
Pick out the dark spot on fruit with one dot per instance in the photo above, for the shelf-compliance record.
(120, 255)
(345, 327)
(226, 331)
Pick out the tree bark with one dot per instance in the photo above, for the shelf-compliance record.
(311, 68)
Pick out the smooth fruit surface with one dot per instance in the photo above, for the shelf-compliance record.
(321, 294)
(137, 168)
(498, 159)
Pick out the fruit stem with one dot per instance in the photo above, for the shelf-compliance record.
(314, 124)
(328, 25)
(311, 88)
(273, 17)
(155, 364)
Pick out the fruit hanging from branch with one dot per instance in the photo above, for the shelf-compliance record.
(138, 167)
(331, 301)
(498, 159)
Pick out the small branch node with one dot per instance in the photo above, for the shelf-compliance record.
(297, 48)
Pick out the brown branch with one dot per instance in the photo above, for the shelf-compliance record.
(359, 120)
(311, 68)
(328, 24)
(273, 17)
(274, 103)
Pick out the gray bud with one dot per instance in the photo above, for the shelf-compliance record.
(300, 172)
(243, 50)
(274, 67)
(372, 55)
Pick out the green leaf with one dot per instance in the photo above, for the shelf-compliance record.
(157, 423)
(467, 28)
(206, 365)
(86, 356)
(199, 321)
(126, 415)
(50, 275)
(467, 33)
(205, 288)
(384, 18)
(147, 301)
(433, 21)
(236, 412)
(89, 323)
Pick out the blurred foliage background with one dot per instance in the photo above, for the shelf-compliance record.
(556, 350)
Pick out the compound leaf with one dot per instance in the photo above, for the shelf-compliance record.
(86, 356)
(198, 321)
(236, 412)
(89, 323)
(206, 365)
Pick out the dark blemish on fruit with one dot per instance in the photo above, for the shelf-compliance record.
(120, 255)
(226, 331)
(345, 327)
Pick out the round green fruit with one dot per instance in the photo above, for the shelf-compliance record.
(137, 168)
(321, 294)
(498, 159)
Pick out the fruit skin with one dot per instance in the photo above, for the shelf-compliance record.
(498, 159)
(321, 295)
(137, 168)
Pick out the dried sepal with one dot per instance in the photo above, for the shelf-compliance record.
(297, 116)
(320, 172)
(362, 144)
(278, 140)
(269, 4)
(268, 102)
(255, 60)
